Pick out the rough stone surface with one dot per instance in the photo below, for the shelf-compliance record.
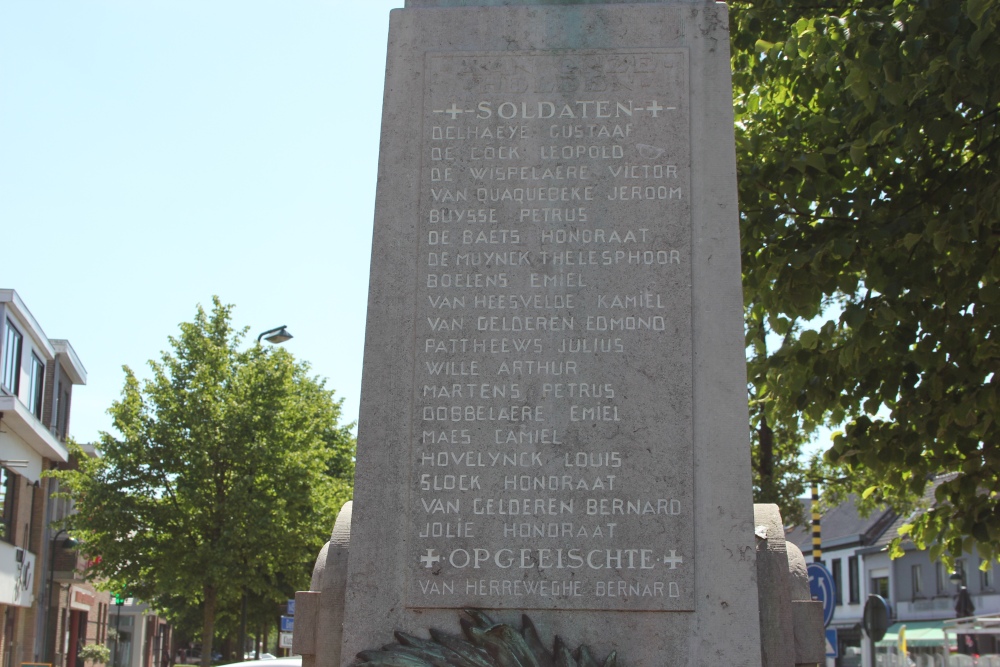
(777, 625)
(553, 403)
(791, 621)
(307, 604)
(799, 584)
(810, 647)
(319, 613)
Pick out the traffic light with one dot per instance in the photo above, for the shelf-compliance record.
(119, 599)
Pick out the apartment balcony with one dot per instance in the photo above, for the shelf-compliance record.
(16, 417)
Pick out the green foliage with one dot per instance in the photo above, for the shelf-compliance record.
(779, 429)
(225, 477)
(869, 165)
(95, 653)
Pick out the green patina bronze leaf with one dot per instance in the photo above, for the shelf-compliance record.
(470, 655)
(584, 659)
(485, 644)
(563, 657)
(543, 655)
(480, 618)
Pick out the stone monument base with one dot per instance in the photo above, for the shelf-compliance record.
(791, 621)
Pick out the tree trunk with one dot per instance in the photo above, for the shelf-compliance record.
(208, 625)
(765, 462)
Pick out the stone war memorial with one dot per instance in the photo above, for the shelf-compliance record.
(553, 439)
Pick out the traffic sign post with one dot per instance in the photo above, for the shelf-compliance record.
(821, 588)
(287, 623)
(876, 617)
(831, 643)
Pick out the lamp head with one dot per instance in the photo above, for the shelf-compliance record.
(279, 336)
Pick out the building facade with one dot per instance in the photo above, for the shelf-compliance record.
(144, 638)
(46, 611)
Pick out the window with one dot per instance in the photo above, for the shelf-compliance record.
(7, 480)
(853, 581)
(917, 581)
(37, 377)
(12, 359)
(838, 596)
(986, 577)
(945, 585)
(880, 586)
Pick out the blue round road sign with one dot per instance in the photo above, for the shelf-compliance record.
(821, 588)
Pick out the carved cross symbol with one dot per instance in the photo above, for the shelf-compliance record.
(430, 559)
(673, 560)
(453, 111)
(653, 108)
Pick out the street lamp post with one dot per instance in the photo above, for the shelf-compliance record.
(277, 336)
(963, 601)
(68, 543)
(964, 607)
(119, 601)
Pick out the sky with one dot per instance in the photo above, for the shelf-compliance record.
(156, 153)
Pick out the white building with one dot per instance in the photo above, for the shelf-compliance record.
(922, 594)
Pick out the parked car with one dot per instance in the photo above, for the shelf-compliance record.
(293, 661)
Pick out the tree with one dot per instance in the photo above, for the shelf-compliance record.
(869, 165)
(224, 479)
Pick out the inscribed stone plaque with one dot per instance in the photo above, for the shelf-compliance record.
(551, 457)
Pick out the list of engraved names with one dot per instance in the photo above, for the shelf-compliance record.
(551, 453)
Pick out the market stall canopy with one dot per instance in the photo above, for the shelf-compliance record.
(918, 633)
(987, 624)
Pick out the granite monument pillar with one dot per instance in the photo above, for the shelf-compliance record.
(554, 417)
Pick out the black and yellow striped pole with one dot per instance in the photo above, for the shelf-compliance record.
(817, 545)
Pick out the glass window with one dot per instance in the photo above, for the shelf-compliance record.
(941, 574)
(12, 359)
(853, 582)
(838, 597)
(917, 581)
(880, 586)
(37, 376)
(986, 577)
(7, 503)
